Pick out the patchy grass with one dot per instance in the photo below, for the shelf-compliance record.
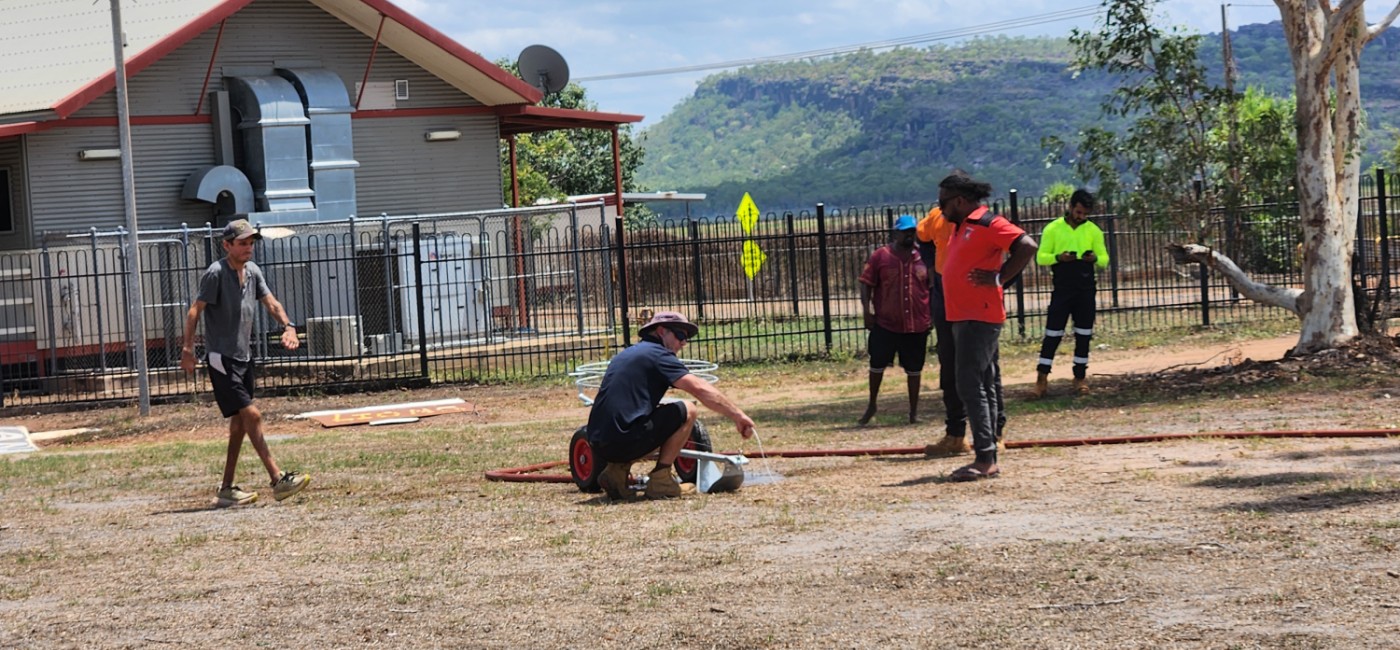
(113, 542)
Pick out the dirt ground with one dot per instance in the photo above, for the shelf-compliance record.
(108, 539)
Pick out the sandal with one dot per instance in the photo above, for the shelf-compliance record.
(968, 473)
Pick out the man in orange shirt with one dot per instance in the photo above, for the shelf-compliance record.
(934, 232)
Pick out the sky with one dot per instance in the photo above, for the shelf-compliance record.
(613, 37)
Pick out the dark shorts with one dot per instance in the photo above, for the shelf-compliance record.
(645, 435)
(233, 388)
(884, 345)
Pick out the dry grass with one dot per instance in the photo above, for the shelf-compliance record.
(400, 542)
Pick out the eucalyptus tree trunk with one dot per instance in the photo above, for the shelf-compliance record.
(1326, 48)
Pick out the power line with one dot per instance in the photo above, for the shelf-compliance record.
(975, 30)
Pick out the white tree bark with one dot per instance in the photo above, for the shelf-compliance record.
(1259, 292)
(1326, 47)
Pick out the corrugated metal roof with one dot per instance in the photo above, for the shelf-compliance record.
(56, 55)
(51, 48)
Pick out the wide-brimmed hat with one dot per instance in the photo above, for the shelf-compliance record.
(670, 319)
(240, 229)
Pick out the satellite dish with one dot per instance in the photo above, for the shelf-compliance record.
(542, 67)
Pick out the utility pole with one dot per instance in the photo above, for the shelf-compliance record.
(1232, 193)
(1229, 56)
(135, 304)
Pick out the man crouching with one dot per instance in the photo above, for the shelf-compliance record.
(628, 420)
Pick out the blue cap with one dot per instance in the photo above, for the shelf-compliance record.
(905, 222)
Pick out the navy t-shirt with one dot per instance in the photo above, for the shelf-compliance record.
(632, 388)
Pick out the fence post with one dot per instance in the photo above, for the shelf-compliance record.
(422, 306)
(696, 273)
(1198, 185)
(1383, 231)
(578, 265)
(97, 303)
(1112, 218)
(606, 247)
(47, 265)
(792, 262)
(824, 273)
(1020, 279)
(622, 281)
(1358, 256)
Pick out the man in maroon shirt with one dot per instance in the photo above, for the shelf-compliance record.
(894, 302)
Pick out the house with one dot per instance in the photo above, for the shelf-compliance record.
(293, 111)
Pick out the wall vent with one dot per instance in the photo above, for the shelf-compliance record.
(400, 89)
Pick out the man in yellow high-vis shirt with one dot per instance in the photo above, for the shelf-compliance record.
(1073, 248)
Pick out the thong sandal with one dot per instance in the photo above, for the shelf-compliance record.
(968, 473)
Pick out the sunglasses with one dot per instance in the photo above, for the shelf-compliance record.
(679, 334)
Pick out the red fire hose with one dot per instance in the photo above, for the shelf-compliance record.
(526, 473)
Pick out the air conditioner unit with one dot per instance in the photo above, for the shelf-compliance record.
(333, 336)
(380, 344)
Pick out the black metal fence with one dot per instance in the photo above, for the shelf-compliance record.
(511, 294)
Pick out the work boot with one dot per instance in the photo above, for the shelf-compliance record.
(661, 484)
(1081, 385)
(1042, 385)
(614, 481)
(948, 446)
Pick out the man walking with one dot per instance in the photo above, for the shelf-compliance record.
(229, 292)
(984, 251)
(1073, 248)
(894, 289)
(628, 420)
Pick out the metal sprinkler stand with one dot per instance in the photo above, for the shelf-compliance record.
(717, 472)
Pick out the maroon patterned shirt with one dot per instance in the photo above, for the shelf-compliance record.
(898, 290)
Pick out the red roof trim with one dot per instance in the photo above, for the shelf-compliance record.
(135, 64)
(495, 72)
(529, 119)
(21, 128)
(567, 114)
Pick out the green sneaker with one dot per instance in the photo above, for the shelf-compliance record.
(235, 496)
(290, 484)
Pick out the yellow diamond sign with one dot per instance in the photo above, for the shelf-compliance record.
(753, 258)
(747, 214)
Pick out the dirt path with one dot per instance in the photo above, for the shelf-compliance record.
(1106, 363)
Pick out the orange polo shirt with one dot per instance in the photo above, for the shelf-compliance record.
(934, 229)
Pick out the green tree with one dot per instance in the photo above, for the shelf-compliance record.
(1325, 45)
(1171, 108)
(1267, 145)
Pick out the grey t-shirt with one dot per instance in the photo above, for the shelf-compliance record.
(229, 308)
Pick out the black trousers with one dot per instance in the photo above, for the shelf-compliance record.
(1067, 303)
(955, 415)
